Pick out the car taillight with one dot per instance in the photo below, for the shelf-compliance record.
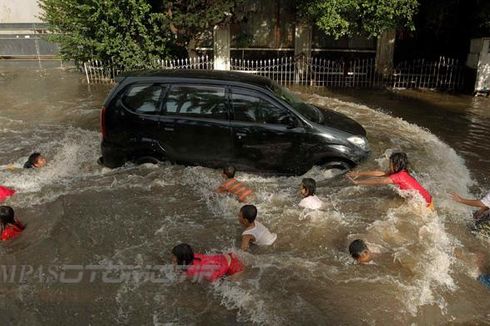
(102, 122)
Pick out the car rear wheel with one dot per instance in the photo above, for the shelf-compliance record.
(147, 159)
(338, 165)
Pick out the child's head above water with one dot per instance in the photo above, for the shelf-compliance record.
(398, 162)
(35, 160)
(182, 255)
(308, 187)
(7, 215)
(359, 251)
(229, 171)
(247, 215)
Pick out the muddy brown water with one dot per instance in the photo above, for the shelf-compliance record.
(87, 223)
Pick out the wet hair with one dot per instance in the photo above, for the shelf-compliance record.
(399, 162)
(249, 212)
(310, 185)
(229, 171)
(357, 247)
(32, 160)
(7, 216)
(184, 254)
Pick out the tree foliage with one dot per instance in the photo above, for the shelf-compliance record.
(131, 33)
(359, 17)
(191, 19)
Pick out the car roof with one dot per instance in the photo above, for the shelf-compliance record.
(217, 75)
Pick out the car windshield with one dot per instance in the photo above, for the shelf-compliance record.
(307, 110)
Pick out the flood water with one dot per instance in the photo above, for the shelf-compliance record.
(83, 217)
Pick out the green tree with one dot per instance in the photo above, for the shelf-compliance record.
(192, 20)
(128, 32)
(131, 33)
(359, 17)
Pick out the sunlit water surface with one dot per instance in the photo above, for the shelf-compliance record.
(79, 213)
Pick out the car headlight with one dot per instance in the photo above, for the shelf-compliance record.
(360, 142)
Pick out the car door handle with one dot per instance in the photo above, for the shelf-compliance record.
(168, 128)
(241, 134)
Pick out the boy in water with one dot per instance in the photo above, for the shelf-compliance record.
(254, 232)
(35, 160)
(481, 216)
(234, 186)
(360, 251)
(307, 190)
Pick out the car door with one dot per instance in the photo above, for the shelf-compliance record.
(138, 110)
(195, 126)
(267, 136)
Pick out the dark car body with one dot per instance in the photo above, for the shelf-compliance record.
(217, 118)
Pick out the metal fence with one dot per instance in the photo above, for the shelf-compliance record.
(445, 73)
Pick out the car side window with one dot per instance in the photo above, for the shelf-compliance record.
(251, 108)
(199, 101)
(143, 98)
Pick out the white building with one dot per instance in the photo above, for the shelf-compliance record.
(21, 30)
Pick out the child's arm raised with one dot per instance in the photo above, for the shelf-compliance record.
(246, 239)
(470, 202)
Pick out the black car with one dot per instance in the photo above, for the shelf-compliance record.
(217, 118)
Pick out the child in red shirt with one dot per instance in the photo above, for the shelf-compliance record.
(11, 227)
(209, 267)
(397, 175)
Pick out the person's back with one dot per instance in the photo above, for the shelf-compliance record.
(262, 235)
(255, 232)
(307, 190)
(405, 181)
(233, 186)
(208, 267)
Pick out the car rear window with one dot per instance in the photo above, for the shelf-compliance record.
(143, 98)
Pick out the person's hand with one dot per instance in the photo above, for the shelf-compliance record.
(456, 197)
(351, 179)
(352, 175)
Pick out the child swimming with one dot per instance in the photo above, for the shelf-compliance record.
(209, 267)
(35, 160)
(234, 186)
(397, 175)
(483, 204)
(481, 216)
(360, 251)
(11, 227)
(307, 190)
(254, 232)
(5, 193)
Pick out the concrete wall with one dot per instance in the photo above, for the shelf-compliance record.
(19, 11)
(479, 59)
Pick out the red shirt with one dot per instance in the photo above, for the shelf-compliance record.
(212, 267)
(5, 193)
(11, 231)
(406, 182)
